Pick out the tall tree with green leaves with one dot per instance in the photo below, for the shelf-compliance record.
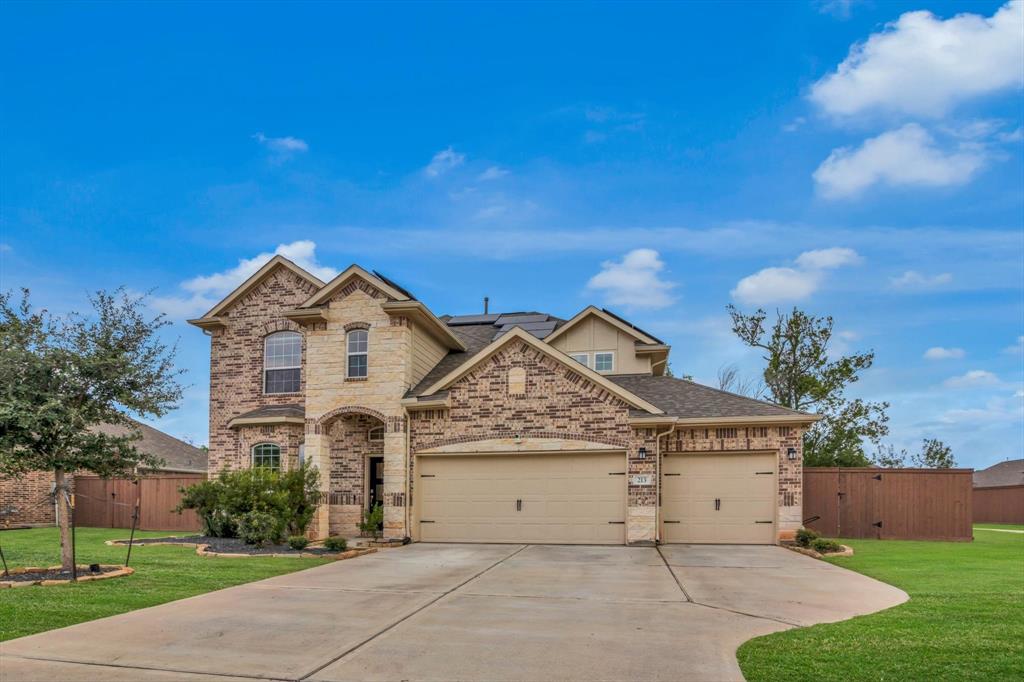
(61, 377)
(799, 374)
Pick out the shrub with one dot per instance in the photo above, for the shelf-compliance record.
(260, 528)
(805, 536)
(824, 545)
(300, 491)
(336, 544)
(291, 498)
(298, 542)
(373, 521)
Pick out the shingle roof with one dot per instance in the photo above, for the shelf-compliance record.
(690, 400)
(1010, 472)
(275, 411)
(176, 454)
(474, 336)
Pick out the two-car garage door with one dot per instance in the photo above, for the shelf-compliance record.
(552, 498)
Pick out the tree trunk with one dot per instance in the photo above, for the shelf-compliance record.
(62, 491)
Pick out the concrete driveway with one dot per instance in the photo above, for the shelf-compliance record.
(468, 612)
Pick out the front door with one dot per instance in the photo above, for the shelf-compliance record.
(375, 494)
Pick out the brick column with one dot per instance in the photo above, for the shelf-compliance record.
(394, 479)
(641, 526)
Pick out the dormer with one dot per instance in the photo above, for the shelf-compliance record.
(607, 344)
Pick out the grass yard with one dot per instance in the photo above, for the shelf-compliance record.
(964, 620)
(163, 574)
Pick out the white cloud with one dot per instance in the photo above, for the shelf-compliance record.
(776, 285)
(940, 353)
(1017, 348)
(922, 65)
(493, 173)
(785, 285)
(841, 9)
(907, 156)
(912, 279)
(1012, 136)
(635, 281)
(821, 259)
(206, 290)
(282, 146)
(443, 161)
(972, 379)
(996, 410)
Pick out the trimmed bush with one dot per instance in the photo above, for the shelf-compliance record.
(290, 497)
(336, 544)
(805, 536)
(298, 542)
(373, 521)
(825, 546)
(260, 528)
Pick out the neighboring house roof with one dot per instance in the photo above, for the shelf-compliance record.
(692, 401)
(1010, 472)
(177, 455)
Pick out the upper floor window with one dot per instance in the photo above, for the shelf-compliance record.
(604, 362)
(266, 455)
(357, 347)
(282, 363)
(582, 358)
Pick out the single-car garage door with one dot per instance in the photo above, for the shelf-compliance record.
(572, 499)
(715, 498)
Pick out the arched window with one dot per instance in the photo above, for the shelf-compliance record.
(266, 456)
(282, 362)
(356, 351)
(376, 434)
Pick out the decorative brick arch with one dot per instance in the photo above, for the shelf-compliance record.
(391, 424)
(528, 433)
(274, 326)
(356, 325)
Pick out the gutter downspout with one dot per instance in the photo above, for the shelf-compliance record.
(657, 483)
(408, 473)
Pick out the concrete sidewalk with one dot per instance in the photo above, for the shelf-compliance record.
(468, 612)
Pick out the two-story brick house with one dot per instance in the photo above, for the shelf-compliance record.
(518, 427)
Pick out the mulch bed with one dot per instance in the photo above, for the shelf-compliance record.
(54, 575)
(233, 546)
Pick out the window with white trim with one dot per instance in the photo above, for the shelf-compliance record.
(357, 345)
(376, 434)
(282, 362)
(582, 358)
(266, 456)
(604, 362)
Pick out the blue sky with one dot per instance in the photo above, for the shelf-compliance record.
(858, 159)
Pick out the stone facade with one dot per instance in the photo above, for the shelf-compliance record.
(29, 500)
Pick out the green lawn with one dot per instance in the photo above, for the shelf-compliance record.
(163, 574)
(964, 620)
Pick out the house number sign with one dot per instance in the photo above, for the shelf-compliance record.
(642, 479)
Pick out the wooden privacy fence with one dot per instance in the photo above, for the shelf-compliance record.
(108, 503)
(889, 504)
(999, 504)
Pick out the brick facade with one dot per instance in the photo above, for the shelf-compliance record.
(29, 500)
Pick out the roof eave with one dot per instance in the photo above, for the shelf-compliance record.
(643, 337)
(264, 421)
(422, 314)
(327, 290)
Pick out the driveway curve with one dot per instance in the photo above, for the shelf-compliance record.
(468, 612)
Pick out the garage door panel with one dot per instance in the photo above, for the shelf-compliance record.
(746, 495)
(565, 498)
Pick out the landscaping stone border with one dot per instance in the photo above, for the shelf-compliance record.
(202, 549)
(846, 551)
(86, 576)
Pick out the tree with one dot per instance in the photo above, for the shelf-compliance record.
(729, 379)
(934, 455)
(61, 377)
(800, 375)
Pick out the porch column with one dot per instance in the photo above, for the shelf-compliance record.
(394, 479)
(318, 454)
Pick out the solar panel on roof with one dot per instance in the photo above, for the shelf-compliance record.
(538, 329)
(515, 319)
(472, 319)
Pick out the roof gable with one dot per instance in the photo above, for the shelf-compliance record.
(355, 272)
(527, 338)
(254, 280)
(613, 320)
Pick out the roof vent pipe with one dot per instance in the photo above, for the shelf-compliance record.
(486, 302)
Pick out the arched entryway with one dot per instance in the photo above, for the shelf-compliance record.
(354, 441)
